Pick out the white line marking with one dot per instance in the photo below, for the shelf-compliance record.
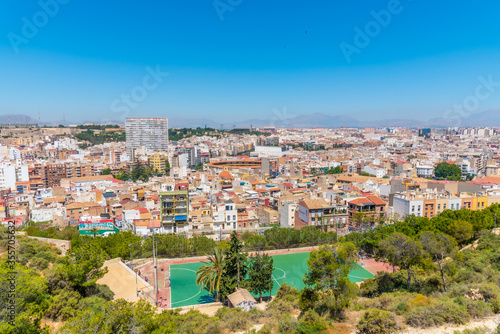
(185, 300)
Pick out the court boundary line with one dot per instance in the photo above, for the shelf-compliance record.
(185, 300)
(175, 262)
(284, 273)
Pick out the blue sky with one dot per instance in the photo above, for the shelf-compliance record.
(262, 55)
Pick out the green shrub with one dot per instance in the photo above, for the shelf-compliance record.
(267, 328)
(287, 292)
(383, 282)
(47, 255)
(38, 264)
(477, 330)
(311, 323)
(236, 319)
(287, 324)
(64, 305)
(402, 307)
(495, 305)
(437, 314)
(477, 308)
(101, 291)
(432, 284)
(93, 303)
(278, 307)
(377, 322)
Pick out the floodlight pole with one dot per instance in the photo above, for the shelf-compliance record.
(156, 269)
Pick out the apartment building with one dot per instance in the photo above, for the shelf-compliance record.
(425, 171)
(225, 216)
(150, 133)
(158, 162)
(315, 212)
(287, 214)
(79, 170)
(270, 167)
(174, 211)
(432, 204)
(50, 174)
(368, 206)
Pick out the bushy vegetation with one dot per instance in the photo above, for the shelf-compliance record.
(436, 280)
(101, 137)
(49, 285)
(376, 321)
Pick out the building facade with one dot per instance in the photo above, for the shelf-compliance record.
(150, 133)
(174, 211)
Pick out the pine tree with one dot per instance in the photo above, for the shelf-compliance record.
(235, 268)
(261, 274)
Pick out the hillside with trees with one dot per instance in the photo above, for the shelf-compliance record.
(446, 272)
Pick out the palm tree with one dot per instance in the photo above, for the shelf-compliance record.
(209, 276)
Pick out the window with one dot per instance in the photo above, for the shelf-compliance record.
(412, 208)
(439, 206)
(419, 208)
(452, 206)
(228, 217)
(234, 217)
(444, 206)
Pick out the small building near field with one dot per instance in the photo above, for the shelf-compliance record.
(243, 299)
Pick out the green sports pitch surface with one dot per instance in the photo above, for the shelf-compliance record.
(289, 268)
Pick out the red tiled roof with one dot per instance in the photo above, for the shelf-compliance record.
(154, 224)
(363, 200)
(376, 200)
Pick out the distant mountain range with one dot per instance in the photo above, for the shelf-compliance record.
(487, 119)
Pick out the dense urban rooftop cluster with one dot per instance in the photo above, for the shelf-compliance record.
(243, 179)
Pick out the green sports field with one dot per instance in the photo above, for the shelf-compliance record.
(289, 268)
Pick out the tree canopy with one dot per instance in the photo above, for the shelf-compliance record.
(446, 171)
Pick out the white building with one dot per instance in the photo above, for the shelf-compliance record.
(377, 171)
(425, 171)
(270, 151)
(22, 174)
(225, 216)
(128, 217)
(152, 133)
(14, 153)
(7, 176)
(287, 214)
